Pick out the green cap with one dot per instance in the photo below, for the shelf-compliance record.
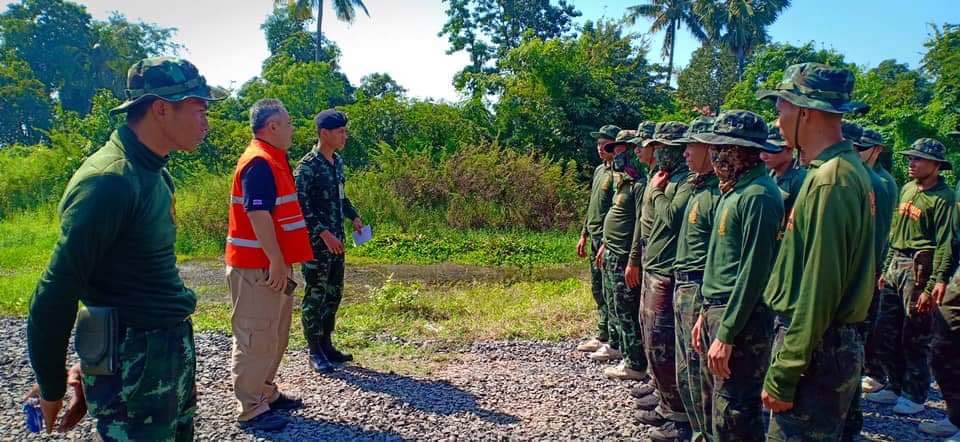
(870, 139)
(609, 132)
(668, 134)
(775, 138)
(853, 132)
(699, 125)
(929, 149)
(624, 137)
(739, 128)
(817, 86)
(167, 78)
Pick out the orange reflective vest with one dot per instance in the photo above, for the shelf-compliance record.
(243, 248)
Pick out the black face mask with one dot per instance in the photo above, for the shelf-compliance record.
(626, 163)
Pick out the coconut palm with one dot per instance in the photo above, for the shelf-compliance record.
(303, 10)
(668, 15)
(741, 25)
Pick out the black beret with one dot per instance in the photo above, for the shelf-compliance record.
(331, 119)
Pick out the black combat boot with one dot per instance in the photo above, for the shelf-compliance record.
(335, 356)
(318, 360)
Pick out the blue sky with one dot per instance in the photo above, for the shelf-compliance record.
(225, 41)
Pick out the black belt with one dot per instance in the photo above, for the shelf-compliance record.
(905, 253)
(689, 276)
(711, 302)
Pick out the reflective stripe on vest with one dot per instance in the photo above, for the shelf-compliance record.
(240, 242)
(289, 198)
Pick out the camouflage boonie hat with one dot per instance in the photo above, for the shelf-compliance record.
(853, 132)
(870, 139)
(667, 134)
(698, 126)
(817, 86)
(775, 138)
(167, 78)
(739, 128)
(609, 132)
(955, 133)
(645, 131)
(929, 149)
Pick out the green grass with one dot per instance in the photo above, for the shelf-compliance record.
(26, 241)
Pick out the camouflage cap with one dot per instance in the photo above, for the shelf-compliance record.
(955, 133)
(697, 126)
(624, 137)
(775, 138)
(608, 131)
(853, 132)
(667, 134)
(645, 131)
(929, 149)
(816, 86)
(870, 139)
(739, 128)
(167, 78)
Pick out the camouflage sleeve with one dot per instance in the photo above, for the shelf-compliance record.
(307, 183)
(944, 250)
(91, 218)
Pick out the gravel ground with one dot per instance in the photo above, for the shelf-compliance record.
(491, 391)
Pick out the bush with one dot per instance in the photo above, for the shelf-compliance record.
(202, 203)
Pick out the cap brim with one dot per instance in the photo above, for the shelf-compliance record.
(864, 146)
(202, 92)
(725, 140)
(669, 143)
(845, 107)
(599, 135)
(954, 133)
(916, 153)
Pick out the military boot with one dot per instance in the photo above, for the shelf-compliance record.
(334, 355)
(318, 360)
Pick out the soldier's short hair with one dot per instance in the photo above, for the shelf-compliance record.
(263, 110)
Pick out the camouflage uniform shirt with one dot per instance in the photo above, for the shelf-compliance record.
(320, 189)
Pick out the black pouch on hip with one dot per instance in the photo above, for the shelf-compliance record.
(97, 340)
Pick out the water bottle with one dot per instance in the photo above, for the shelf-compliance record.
(34, 417)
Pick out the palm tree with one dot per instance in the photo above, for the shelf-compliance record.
(303, 10)
(741, 25)
(668, 14)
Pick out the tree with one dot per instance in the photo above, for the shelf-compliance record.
(740, 24)
(942, 63)
(703, 85)
(890, 89)
(288, 35)
(489, 29)
(119, 44)
(303, 10)
(379, 85)
(26, 106)
(668, 15)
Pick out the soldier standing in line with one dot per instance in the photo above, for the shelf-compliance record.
(669, 191)
(601, 196)
(692, 245)
(785, 169)
(916, 269)
(735, 327)
(320, 188)
(820, 287)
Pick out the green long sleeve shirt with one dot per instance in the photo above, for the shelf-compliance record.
(601, 196)
(116, 248)
(922, 221)
(789, 184)
(621, 225)
(885, 191)
(646, 216)
(697, 225)
(819, 278)
(669, 204)
(742, 248)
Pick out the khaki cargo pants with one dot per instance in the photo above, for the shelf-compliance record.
(261, 329)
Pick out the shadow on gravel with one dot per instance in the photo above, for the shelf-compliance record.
(304, 429)
(436, 397)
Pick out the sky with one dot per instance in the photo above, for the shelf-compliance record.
(223, 38)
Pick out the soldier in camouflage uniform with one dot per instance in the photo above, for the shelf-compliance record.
(601, 196)
(619, 230)
(820, 286)
(735, 327)
(688, 271)
(785, 169)
(669, 192)
(116, 249)
(320, 188)
(917, 266)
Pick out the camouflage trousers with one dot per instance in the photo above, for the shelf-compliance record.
(736, 410)
(604, 327)
(153, 396)
(905, 345)
(659, 340)
(825, 390)
(946, 365)
(322, 293)
(871, 366)
(626, 309)
(686, 304)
